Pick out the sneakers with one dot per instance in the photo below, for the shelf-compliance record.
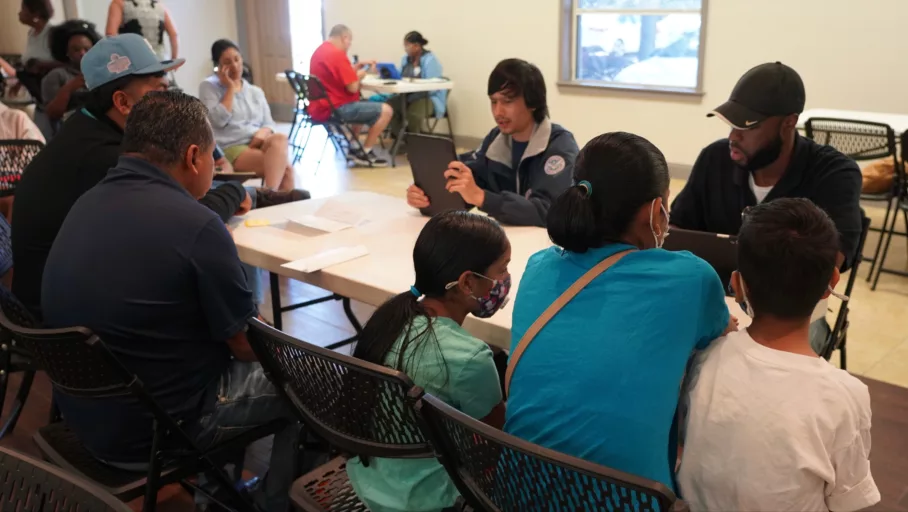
(369, 159)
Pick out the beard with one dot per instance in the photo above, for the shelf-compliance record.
(764, 156)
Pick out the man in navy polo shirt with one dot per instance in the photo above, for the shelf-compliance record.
(156, 275)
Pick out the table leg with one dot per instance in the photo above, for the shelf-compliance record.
(401, 132)
(276, 310)
(348, 310)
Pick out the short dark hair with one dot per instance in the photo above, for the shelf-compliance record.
(98, 101)
(43, 9)
(164, 124)
(517, 77)
(219, 47)
(62, 33)
(787, 252)
(625, 172)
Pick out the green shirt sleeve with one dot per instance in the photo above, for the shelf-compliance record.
(475, 385)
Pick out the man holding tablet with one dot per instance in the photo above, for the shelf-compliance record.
(764, 158)
(524, 163)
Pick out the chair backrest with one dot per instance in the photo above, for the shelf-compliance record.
(842, 316)
(75, 360)
(313, 89)
(860, 140)
(30, 484)
(362, 408)
(497, 472)
(15, 155)
(293, 80)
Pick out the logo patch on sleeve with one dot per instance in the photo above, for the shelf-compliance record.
(554, 165)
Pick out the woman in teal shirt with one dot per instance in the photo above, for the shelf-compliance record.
(601, 380)
(461, 263)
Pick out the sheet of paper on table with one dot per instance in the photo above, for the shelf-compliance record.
(325, 259)
(333, 216)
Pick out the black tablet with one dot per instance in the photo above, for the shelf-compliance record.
(429, 157)
(720, 251)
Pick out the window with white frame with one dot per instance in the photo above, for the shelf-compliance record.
(635, 44)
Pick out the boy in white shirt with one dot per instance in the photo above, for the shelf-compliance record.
(772, 426)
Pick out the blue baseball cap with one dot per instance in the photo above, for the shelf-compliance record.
(123, 55)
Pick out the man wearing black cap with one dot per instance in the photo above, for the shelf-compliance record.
(764, 158)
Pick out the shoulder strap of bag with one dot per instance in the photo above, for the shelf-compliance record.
(552, 310)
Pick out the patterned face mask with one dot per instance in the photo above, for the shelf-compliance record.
(496, 299)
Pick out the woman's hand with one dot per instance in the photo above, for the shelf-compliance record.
(75, 83)
(258, 138)
(227, 77)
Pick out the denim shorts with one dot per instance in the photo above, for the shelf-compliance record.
(360, 112)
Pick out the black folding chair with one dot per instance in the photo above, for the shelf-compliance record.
(863, 140)
(432, 121)
(497, 472)
(359, 407)
(79, 364)
(30, 484)
(15, 155)
(839, 335)
(14, 359)
(340, 133)
(301, 119)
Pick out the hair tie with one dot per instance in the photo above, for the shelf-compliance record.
(587, 186)
(415, 292)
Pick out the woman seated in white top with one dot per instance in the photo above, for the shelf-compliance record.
(241, 119)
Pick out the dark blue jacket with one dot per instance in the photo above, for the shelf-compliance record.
(523, 197)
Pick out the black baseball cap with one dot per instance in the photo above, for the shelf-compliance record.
(771, 89)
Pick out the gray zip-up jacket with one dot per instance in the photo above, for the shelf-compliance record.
(524, 195)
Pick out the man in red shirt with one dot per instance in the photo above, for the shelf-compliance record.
(342, 82)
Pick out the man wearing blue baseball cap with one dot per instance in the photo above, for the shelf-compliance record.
(119, 71)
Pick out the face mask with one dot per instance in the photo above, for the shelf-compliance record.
(659, 241)
(765, 156)
(496, 299)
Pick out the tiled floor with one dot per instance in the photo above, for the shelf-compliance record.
(877, 343)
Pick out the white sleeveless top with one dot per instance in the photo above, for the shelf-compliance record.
(146, 18)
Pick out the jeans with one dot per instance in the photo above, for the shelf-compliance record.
(360, 112)
(246, 398)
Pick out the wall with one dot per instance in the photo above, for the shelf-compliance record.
(199, 22)
(847, 53)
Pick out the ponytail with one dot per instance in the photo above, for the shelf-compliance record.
(617, 173)
(571, 221)
(393, 320)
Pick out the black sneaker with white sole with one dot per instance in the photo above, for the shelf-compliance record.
(369, 159)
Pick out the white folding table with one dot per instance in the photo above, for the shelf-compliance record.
(388, 268)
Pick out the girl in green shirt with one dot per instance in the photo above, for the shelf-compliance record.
(461, 263)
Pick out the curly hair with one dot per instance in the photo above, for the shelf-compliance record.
(62, 33)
